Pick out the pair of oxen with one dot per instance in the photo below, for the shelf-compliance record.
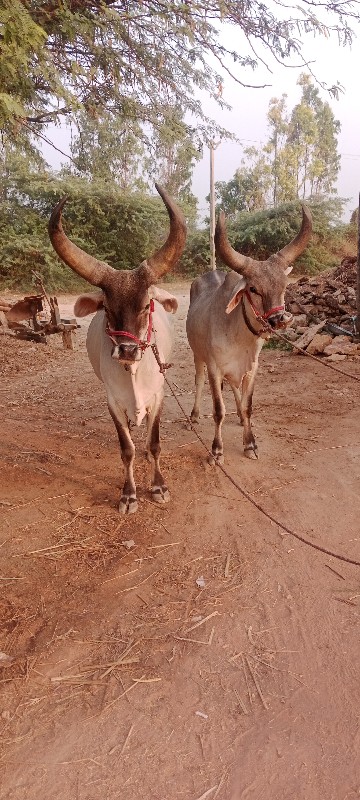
(129, 339)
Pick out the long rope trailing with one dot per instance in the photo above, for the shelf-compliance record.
(301, 349)
(252, 501)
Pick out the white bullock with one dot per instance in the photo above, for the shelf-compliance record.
(129, 338)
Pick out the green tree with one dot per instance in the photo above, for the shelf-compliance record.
(119, 227)
(141, 58)
(249, 189)
(18, 160)
(108, 149)
(265, 232)
(278, 123)
(173, 154)
(299, 160)
(312, 142)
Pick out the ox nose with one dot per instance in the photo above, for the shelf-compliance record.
(275, 320)
(127, 352)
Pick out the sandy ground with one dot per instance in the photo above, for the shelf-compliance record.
(130, 680)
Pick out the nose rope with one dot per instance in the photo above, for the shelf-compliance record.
(142, 343)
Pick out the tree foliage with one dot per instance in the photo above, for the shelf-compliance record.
(261, 233)
(249, 189)
(141, 59)
(119, 227)
(265, 232)
(108, 149)
(299, 160)
(172, 159)
(111, 150)
(303, 145)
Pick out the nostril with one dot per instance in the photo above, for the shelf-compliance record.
(275, 320)
(128, 350)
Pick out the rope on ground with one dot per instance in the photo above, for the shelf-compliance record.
(253, 502)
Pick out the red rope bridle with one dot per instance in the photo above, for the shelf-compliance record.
(258, 316)
(257, 313)
(142, 343)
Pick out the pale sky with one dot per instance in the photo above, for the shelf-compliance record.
(247, 119)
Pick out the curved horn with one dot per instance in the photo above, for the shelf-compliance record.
(85, 265)
(294, 249)
(165, 258)
(229, 256)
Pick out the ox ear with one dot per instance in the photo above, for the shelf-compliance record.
(168, 301)
(288, 269)
(236, 295)
(88, 304)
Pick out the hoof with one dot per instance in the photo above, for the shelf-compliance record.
(128, 504)
(194, 416)
(217, 459)
(160, 494)
(251, 451)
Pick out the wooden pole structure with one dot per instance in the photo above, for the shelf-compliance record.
(212, 148)
(358, 276)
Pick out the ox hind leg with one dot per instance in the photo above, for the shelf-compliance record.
(128, 502)
(199, 385)
(159, 490)
(237, 395)
(218, 416)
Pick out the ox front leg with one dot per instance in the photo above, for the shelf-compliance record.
(159, 490)
(219, 416)
(248, 381)
(128, 503)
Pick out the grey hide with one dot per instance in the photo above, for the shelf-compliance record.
(224, 332)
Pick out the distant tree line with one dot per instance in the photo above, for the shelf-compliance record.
(300, 159)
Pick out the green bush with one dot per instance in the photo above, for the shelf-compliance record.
(196, 256)
(265, 232)
(262, 233)
(122, 229)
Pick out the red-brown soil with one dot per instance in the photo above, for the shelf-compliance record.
(129, 679)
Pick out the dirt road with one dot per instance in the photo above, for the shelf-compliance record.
(215, 658)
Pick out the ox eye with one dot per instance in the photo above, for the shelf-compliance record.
(146, 308)
(253, 290)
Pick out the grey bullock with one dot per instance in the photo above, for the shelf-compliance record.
(228, 322)
(129, 339)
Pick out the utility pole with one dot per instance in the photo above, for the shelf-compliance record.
(357, 323)
(212, 148)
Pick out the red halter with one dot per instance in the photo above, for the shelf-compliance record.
(143, 344)
(268, 313)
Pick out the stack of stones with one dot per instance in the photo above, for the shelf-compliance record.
(330, 297)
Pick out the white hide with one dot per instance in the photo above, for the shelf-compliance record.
(133, 392)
